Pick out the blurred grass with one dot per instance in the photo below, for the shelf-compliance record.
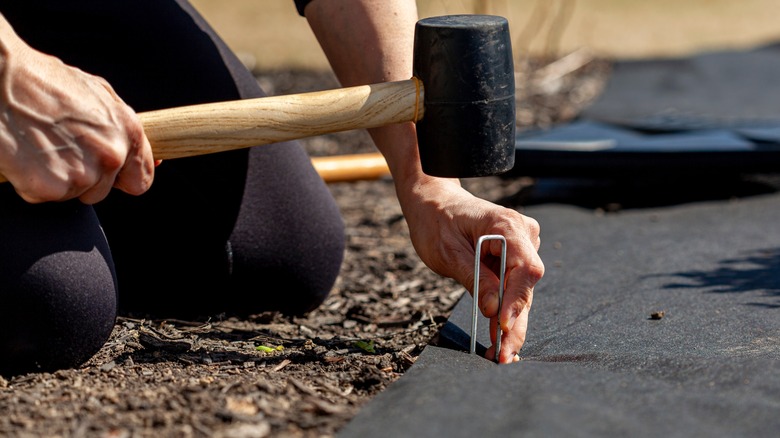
(269, 34)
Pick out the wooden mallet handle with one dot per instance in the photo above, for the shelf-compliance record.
(217, 127)
(222, 126)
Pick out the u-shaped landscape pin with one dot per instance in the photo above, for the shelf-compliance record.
(475, 307)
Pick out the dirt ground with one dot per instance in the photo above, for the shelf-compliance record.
(273, 375)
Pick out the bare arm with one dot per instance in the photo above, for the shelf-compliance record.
(370, 41)
(65, 133)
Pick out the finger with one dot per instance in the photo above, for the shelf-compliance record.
(491, 351)
(488, 291)
(517, 299)
(490, 278)
(60, 184)
(137, 173)
(533, 230)
(35, 191)
(98, 191)
(520, 281)
(512, 341)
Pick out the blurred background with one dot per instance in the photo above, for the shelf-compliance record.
(269, 34)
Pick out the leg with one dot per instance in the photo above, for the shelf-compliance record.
(287, 243)
(56, 285)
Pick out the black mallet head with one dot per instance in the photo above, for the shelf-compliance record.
(465, 64)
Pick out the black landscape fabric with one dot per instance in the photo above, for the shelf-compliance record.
(662, 320)
(714, 89)
(598, 361)
(712, 113)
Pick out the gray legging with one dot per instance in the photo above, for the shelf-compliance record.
(236, 232)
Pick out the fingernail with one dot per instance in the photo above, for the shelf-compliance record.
(489, 303)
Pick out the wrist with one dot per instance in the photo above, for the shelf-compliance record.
(398, 144)
(9, 41)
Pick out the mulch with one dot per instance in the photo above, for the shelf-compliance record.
(276, 375)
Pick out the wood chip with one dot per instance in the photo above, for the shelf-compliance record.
(282, 364)
(657, 315)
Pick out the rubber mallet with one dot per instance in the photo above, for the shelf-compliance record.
(461, 97)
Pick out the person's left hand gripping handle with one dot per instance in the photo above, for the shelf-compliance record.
(65, 133)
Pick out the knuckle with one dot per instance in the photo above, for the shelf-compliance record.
(532, 225)
(112, 160)
(535, 270)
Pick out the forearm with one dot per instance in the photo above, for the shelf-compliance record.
(366, 41)
(372, 41)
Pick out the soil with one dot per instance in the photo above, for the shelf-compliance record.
(276, 375)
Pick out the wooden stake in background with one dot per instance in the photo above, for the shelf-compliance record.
(344, 168)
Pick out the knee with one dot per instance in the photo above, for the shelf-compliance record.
(292, 283)
(55, 315)
(300, 294)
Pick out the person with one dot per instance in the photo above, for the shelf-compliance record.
(93, 226)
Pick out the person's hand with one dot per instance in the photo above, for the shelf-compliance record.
(445, 222)
(65, 133)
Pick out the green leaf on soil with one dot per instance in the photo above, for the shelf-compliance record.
(366, 346)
